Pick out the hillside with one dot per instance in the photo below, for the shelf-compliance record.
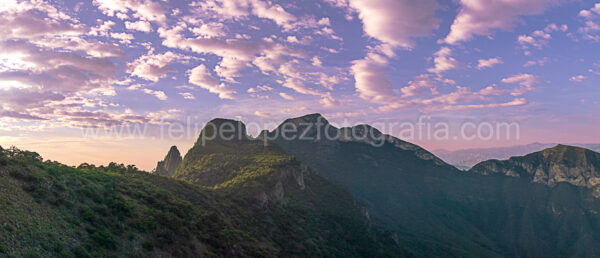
(238, 166)
(439, 210)
(50, 209)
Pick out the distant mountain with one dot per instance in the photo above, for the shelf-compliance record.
(467, 158)
(168, 166)
(562, 163)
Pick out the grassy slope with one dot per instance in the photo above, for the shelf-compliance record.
(49, 209)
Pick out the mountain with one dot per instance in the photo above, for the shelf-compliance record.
(562, 163)
(305, 212)
(168, 166)
(306, 188)
(434, 208)
(467, 158)
(53, 210)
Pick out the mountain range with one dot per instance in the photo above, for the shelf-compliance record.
(305, 188)
(466, 158)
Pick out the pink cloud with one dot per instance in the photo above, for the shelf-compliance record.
(395, 22)
(491, 62)
(525, 81)
(481, 17)
(202, 77)
(443, 61)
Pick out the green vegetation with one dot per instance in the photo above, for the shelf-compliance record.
(49, 209)
(239, 198)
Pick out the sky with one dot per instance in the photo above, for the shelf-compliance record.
(73, 74)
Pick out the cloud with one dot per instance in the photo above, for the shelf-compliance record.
(304, 41)
(578, 78)
(395, 22)
(187, 95)
(591, 27)
(153, 67)
(316, 61)
(260, 88)
(526, 81)
(286, 96)
(370, 79)
(540, 62)
(157, 93)
(143, 26)
(235, 54)
(539, 38)
(491, 62)
(54, 70)
(298, 86)
(240, 9)
(262, 114)
(515, 102)
(13, 114)
(481, 17)
(209, 30)
(492, 90)
(102, 28)
(443, 61)
(146, 10)
(419, 85)
(202, 77)
(124, 38)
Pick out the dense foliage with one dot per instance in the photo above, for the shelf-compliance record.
(49, 209)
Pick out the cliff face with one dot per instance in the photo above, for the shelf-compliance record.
(573, 165)
(169, 165)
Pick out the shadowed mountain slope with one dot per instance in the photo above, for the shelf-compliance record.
(437, 209)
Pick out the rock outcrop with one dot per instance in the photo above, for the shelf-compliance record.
(573, 165)
(169, 165)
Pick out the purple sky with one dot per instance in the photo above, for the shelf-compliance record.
(105, 64)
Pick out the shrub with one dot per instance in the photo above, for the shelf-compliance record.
(104, 238)
(80, 252)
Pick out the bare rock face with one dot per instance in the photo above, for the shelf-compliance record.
(573, 165)
(169, 165)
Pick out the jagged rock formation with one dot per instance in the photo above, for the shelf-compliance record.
(467, 158)
(169, 165)
(562, 163)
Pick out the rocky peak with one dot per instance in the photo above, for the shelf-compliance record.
(220, 129)
(311, 126)
(309, 119)
(169, 165)
(562, 163)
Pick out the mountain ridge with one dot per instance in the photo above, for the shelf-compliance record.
(562, 163)
(467, 158)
